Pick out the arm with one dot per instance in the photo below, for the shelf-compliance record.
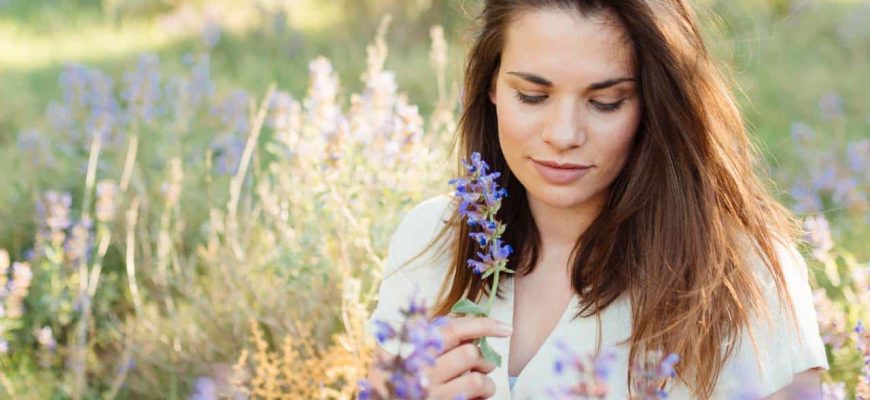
(806, 383)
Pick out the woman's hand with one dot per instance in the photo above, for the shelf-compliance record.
(460, 368)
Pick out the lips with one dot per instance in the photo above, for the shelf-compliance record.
(560, 174)
(555, 164)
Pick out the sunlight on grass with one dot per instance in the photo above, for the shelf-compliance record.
(22, 51)
(25, 50)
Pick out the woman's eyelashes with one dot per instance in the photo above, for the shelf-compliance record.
(530, 99)
(605, 107)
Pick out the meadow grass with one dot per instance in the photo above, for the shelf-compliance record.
(253, 209)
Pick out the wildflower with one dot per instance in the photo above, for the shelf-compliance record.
(228, 153)
(831, 106)
(592, 372)
(420, 341)
(204, 388)
(480, 198)
(802, 134)
(142, 92)
(53, 210)
(233, 112)
(862, 390)
(652, 375)
(832, 321)
(818, 234)
(834, 391)
(806, 199)
(324, 113)
(17, 289)
(171, 188)
(107, 193)
(78, 247)
(45, 338)
(211, 33)
(858, 154)
(37, 148)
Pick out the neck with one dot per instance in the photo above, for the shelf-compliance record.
(560, 228)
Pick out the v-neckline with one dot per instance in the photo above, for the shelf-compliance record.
(533, 360)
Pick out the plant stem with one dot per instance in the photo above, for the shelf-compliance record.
(492, 291)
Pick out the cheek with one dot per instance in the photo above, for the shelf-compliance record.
(614, 137)
(517, 125)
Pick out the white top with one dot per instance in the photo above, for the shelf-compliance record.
(781, 355)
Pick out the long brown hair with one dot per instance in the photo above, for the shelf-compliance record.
(673, 232)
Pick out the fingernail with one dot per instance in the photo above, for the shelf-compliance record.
(504, 329)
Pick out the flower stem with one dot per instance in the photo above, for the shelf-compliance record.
(492, 291)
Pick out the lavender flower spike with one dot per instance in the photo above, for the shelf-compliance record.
(480, 199)
(420, 341)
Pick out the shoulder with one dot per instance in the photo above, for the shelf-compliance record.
(418, 227)
(772, 351)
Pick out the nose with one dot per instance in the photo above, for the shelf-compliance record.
(566, 127)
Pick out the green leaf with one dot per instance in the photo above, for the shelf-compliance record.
(487, 273)
(466, 306)
(489, 354)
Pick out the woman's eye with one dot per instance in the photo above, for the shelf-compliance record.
(530, 99)
(607, 106)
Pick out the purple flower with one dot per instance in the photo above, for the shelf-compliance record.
(205, 388)
(653, 373)
(420, 341)
(480, 198)
(142, 91)
(591, 373)
(53, 210)
(818, 234)
(831, 106)
(858, 154)
(233, 112)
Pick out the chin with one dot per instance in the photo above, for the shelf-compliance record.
(560, 197)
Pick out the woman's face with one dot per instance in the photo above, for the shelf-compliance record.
(565, 94)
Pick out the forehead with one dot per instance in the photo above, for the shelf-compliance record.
(568, 47)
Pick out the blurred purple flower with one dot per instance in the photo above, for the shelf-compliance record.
(806, 199)
(653, 373)
(53, 210)
(831, 106)
(33, 144)
(591, 373)
(818, 235)
(88, 95)
(858, 154)
(45, 338)
(80, 244)
(227, 150)
(107, 201)
(233, 111)
(142, 89)
(833, 391)
(211, 32)
(204, 389)
(419, 341)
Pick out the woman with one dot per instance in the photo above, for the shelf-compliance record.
(636, 218)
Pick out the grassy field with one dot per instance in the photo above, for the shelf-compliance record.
(191, 196)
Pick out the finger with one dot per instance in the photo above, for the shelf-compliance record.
(471, 385)
(457, 361)
(459, 329)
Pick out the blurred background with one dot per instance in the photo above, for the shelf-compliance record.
(196, 197)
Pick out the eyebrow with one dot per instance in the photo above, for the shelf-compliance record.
(539, 80)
